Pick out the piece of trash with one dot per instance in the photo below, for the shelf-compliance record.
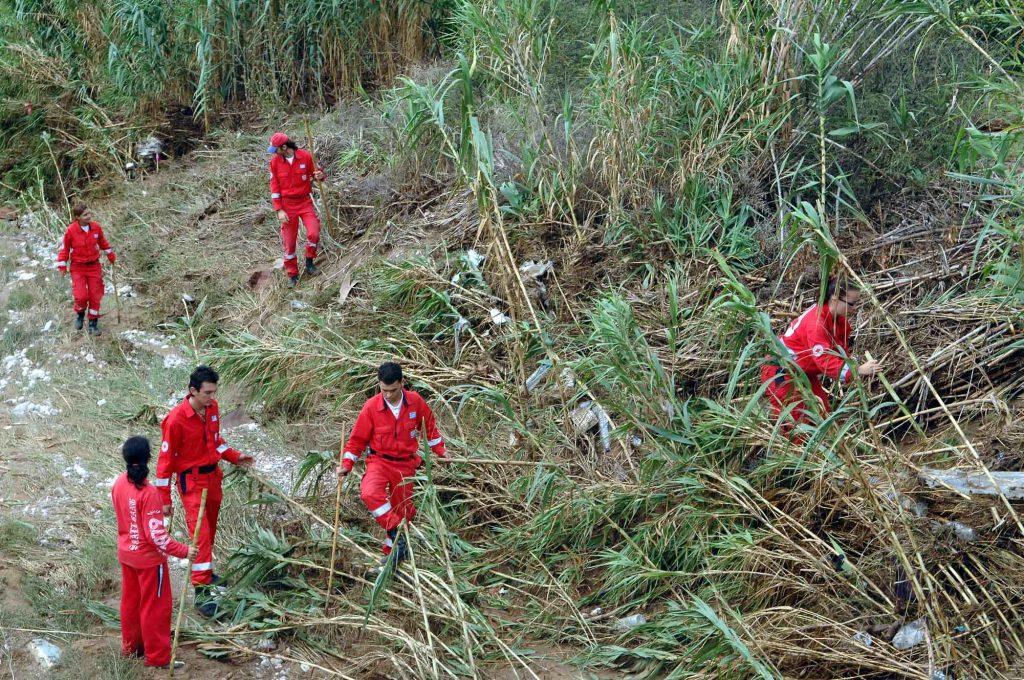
(474, 259)
(596, 611)
(48, 326)
(299, 304)
(535, 270)
(538, 375)
(963, 532)
(44, 652)
(503, 591)
(149, 150)
(567, 379)
(101, 402)
(863, 638)
(636, 441)
(630, 622)
(910, 635)
(185, 297)
(583, 417)
(604, 427)
(498, 318)
(961, 629)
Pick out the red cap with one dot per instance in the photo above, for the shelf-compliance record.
(276, 140)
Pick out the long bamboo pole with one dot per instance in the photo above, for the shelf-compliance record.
(188, 573)
(319, 182)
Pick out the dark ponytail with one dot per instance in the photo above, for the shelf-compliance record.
(136, 455)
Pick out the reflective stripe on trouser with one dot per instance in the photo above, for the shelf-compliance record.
(87, 288)
(202, 568)
(387, 490)
(146, 613)
(301, 209)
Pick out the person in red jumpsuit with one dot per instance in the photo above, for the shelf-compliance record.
(291, 184)
(83, 241)
(817, 343)
(192, 449)
(390, 425)
(142, 549)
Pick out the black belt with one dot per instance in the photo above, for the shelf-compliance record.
(393, 459)
(201, 470)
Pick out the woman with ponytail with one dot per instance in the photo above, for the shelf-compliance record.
(142, 549)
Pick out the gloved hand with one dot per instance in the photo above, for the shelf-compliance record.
(112, 256)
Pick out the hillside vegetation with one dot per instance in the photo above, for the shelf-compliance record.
(580, 227)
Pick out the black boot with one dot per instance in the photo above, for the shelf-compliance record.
(311, 269)
(206, 601)
(293, 281)
(94, 326)
(80, 321)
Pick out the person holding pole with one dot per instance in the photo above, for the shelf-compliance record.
(83, 241)
(291, 186)
(142, 549)
(192, 449)
(818, 343)
(390, 426)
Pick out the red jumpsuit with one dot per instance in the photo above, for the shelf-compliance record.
(817, 343)
(192, 448)
(394, 456)
(291, 184)
(142, 549)
(82, 244)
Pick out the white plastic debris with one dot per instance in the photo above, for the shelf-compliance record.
(963, 532)
(910, 635)
(101, 402)
(474, 259)
(498, 318)
(535, 270)
(48, 326)
(567, 379)
(44, 652)
(149, 149)
(90, 359)
(187, 298)
(583, 417)
(604, 427)
(537, 376)
(630, 622)
(596, 611)
(863, 637)
(299, 304)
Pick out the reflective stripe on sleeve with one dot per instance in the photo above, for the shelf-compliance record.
(845, 374)
(382, 510)
(350, 456)
(435, 442)
(157, 481)
(222, 448)
(275, 195)
(202, 566)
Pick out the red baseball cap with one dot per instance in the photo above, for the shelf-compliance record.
(276, 140)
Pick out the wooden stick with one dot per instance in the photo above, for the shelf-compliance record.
(319, 183)
(499, 461)
(117, 296)
(337, 518)
(188, 573)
